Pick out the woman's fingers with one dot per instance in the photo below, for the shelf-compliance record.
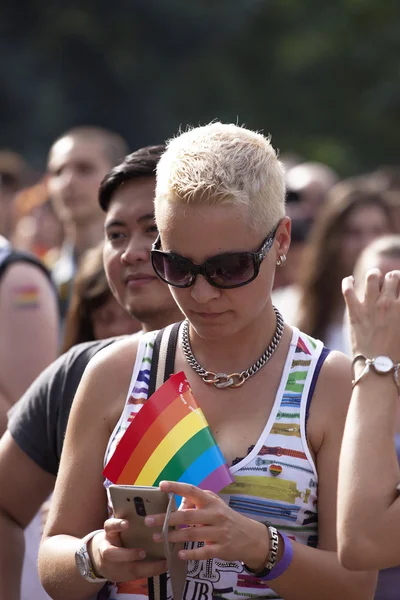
(197, 505)
(147, 568)
(186, 504)
(121, 555)
(115, 525)
(129, 571)
(390, 287)
(194, 495)
(201, 553)
(376, 286)
(121, 564)
(181, 517)
(193, 534)
(112, 529)
(350, 296)
(375, 318)
(373, 286)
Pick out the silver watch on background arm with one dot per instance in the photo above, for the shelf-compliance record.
(83, 561)
(382, 365)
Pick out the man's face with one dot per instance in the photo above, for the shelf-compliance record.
(130, 231)
(76, 168)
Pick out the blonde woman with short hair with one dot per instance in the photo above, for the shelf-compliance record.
(274, 398)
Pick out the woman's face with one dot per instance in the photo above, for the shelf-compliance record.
(112, 320)
(374, 261)
(387, 263)
(201, 232)
(363, 225)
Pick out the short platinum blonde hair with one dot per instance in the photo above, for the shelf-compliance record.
(223, 164)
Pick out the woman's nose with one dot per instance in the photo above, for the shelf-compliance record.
(202, 291)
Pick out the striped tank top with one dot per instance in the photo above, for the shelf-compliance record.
(277, 481)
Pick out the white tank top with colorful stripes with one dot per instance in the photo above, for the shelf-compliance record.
(277, 481)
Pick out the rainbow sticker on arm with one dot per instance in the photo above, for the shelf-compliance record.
(169, 439)
(25, 296)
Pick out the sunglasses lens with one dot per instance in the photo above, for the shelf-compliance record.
(172, 269)
(231, 269)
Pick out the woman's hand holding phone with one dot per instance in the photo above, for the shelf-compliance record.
(115, 563)
(204, 517)
(125, 550)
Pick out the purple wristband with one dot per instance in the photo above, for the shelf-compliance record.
(285, 561)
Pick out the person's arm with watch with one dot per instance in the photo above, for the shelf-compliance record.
(369, 474)
(81, 547)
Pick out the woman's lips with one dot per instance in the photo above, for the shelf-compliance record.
(209, 315)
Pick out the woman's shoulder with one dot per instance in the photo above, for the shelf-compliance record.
(334, 380)
(331, 398)
(337, 364)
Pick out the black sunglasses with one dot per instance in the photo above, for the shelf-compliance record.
(230, 270)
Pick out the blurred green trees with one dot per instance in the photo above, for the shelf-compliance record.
(322, 77)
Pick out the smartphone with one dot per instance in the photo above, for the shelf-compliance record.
(134, 503)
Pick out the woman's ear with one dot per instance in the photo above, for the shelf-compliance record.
(283, 236)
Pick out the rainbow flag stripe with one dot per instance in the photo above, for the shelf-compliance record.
(169, 439)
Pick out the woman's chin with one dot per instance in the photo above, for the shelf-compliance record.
(213, 325)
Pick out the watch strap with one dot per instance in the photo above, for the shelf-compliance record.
(370, 362)
(83, 551)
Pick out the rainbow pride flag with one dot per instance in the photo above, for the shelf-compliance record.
(169, 439)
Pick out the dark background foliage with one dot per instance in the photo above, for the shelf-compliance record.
(322, 77)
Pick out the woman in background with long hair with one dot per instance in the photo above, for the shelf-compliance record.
(353, 216)
(94, 313)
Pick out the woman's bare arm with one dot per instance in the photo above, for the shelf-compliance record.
(369, 508)
(79, 503)
(29, 329)
(27, 487)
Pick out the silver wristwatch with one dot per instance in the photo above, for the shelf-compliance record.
(381, 365)
(83, 560)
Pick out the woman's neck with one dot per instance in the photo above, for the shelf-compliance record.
(238, 351)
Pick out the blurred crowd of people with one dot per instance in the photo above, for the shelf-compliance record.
(57, 218)
(339, 227)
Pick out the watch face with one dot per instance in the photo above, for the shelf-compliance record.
(383, 364)
(81, 564)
